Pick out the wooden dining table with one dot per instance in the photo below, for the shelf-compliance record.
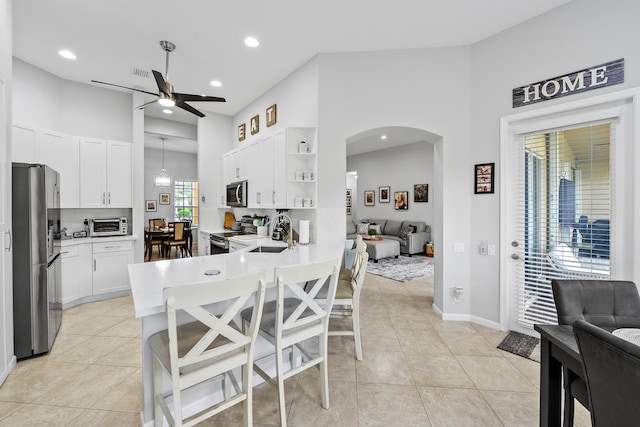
(166, 232)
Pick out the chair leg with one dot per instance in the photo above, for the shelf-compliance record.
(158, 417)
(569, 401)
(355, 316)
(280, 375)
(247, 385)
(324, 371)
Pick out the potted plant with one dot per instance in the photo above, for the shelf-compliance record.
(372, 232)
(184, 214)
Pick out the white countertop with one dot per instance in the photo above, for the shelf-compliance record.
(82, 240)
(149, 279)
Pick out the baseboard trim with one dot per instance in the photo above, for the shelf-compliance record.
(9, 368)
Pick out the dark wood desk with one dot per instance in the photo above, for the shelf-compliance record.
(558, 348)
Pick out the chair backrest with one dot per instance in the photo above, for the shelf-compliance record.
(611, 367)
(605, 303)
(357, 276)
(156, 222)
(198, 301)
(178, 230)
(298, 286)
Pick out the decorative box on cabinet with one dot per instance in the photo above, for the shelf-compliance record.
(110, 271)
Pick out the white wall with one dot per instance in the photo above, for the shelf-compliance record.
(426, 89)
(570, 38)
(180, 166)
(7, 358)
(399, 168)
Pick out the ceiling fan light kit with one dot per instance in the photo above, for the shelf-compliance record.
(166, 95)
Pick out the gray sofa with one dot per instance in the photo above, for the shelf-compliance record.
(410, 242)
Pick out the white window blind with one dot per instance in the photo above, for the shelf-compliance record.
(565, 214)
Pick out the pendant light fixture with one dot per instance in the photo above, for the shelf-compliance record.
(163, 180)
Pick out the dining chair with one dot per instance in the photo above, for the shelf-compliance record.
(611, 368)
(177, 239)
(604, 303)
(295, 321)
(154, 239)
(347, 299)
(205, 352)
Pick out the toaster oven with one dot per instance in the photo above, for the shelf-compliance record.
(100, 227)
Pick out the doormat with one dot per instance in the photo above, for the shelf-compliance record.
(403, 268)
(522, 345)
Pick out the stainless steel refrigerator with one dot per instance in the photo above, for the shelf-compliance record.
(37, 295)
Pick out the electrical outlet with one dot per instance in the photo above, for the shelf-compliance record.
(459, 247)
(491, 249)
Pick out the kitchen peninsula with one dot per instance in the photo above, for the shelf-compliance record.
(149, 279)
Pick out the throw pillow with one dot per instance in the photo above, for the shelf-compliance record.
(406, 229)
(362, 228)
(375, 227)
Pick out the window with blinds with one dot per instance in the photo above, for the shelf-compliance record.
(566, 214)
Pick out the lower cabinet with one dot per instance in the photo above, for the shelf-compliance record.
(90, 271)
(235, 246)
(110, 261)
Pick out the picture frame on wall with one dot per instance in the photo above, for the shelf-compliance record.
(369, 198)
(164, 198)
(401, 200)
(383, 195)
(484, 178)
(420, 193)
(348, 210)
(151, 206)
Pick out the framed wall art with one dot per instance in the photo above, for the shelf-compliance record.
(242, 132)
(164, 198)
(369, 198)
(255, 124)
(484, 174)
(383, 195)
(271, 115)
(420, 193)
(151, 206)
(401, 200)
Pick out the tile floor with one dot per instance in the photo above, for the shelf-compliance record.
(417, 371)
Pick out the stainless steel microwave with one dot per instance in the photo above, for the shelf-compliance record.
(237, 194)
(100, 227)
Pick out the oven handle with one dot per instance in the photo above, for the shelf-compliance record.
(218, 243)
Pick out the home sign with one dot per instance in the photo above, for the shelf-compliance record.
(611, 73)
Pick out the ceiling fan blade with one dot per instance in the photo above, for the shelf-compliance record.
(124, 87)
(197, 98)
(145, 105)
(162, 85)
(189, 108)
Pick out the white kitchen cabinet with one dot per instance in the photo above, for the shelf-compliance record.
(105, 174)
(61, 152)
(278, 170)
(204, 247)
(235, 246)
(235, 165)
(76, 274)
(221, 188)
(23, 143)
(255, 182)
(110, 271)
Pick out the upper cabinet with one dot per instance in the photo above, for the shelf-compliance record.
(55, 149)
(105, 174)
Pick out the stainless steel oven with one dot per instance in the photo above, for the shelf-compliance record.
(219, 244)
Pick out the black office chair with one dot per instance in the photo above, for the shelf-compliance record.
(611, 367)
(604, 303)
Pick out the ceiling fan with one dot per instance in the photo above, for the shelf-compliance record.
(166, 96)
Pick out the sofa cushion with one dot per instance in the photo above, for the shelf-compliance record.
(376, 227)
(406, 229)
(380, 222)
(420, 225)
(351, 227)
(392, 227)
(362, 228)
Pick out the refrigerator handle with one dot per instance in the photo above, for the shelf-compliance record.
(94, 265)
(9, 244)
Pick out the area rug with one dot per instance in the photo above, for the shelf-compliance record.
(403, 268)
(522, 345)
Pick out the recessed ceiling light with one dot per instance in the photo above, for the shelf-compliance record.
(251, 42)
(67, 54)
(215, 83)
(383, 137)
(167, 111)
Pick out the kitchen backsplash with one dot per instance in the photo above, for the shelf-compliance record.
(73, 219)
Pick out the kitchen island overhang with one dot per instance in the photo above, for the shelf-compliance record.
(148, 281)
